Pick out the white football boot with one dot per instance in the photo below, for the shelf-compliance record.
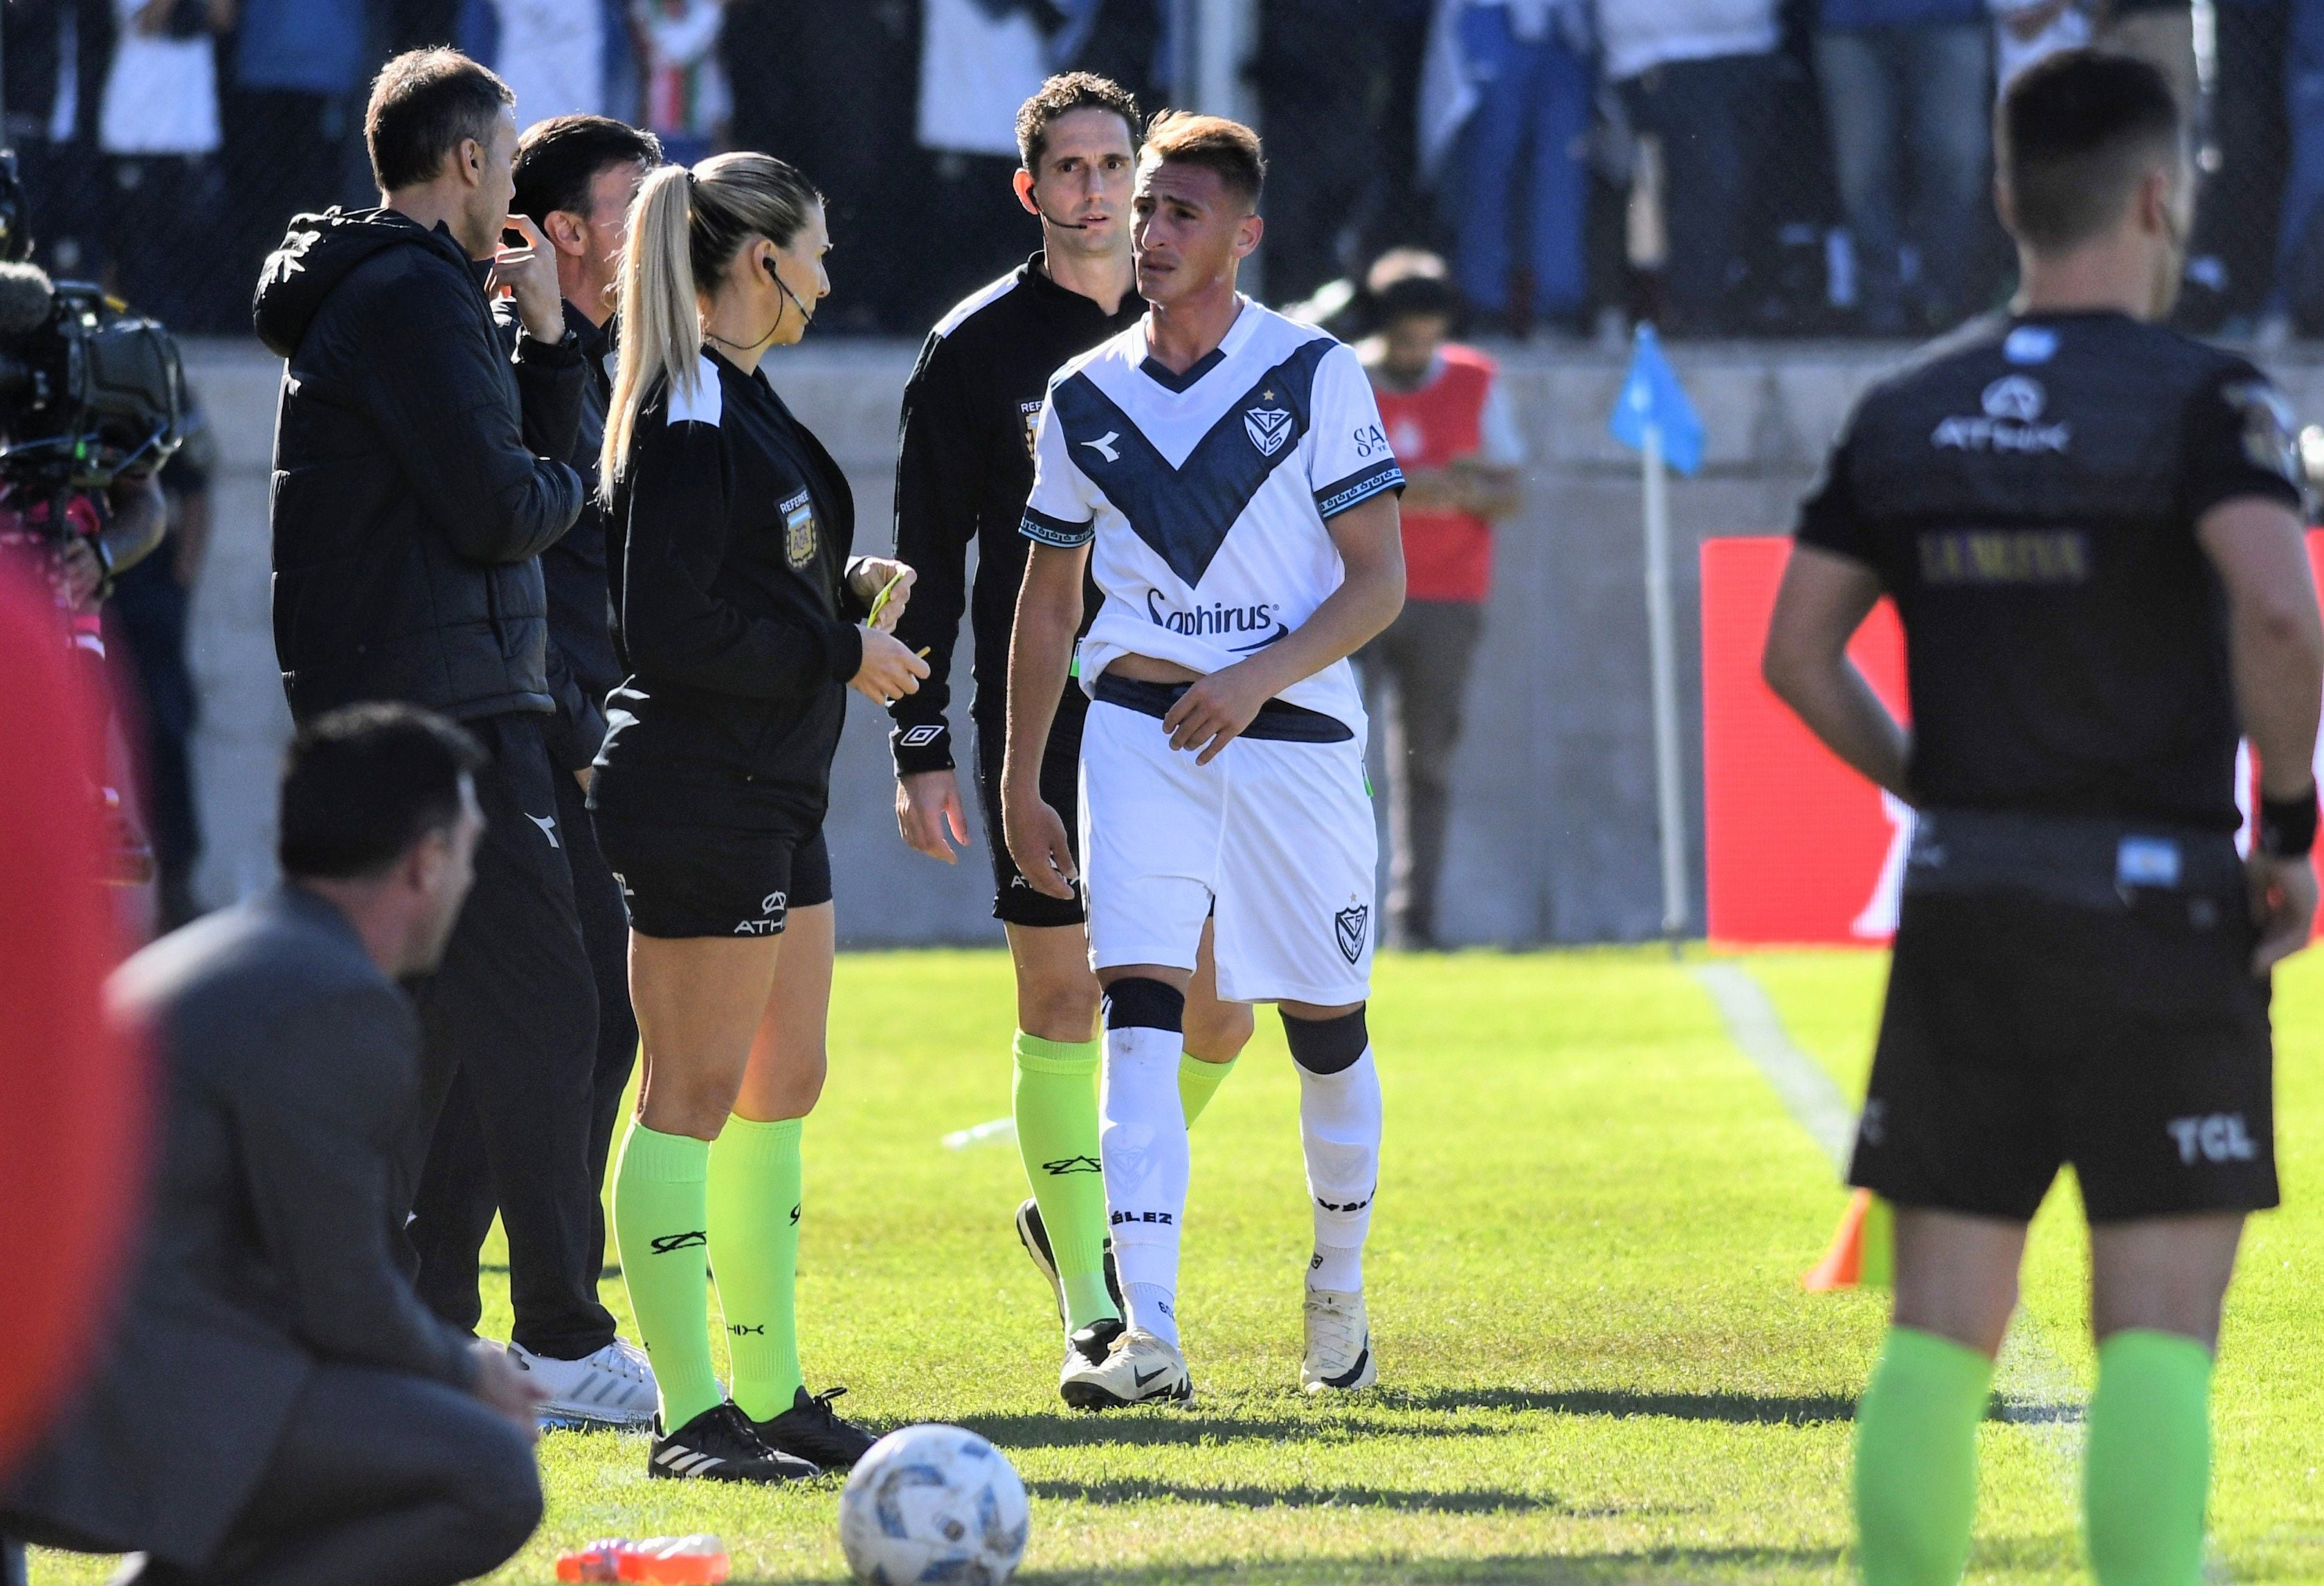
(1339, 1355)
(612, 1388)
(1139, 1370)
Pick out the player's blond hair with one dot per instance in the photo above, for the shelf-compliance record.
(686, 227)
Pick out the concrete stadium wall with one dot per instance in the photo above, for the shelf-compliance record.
(1554, 825)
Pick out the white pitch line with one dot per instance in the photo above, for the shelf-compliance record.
(2038, 1393)
(2039, 1396)
(999, 1131)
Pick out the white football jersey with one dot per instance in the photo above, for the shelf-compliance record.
(1204, 495)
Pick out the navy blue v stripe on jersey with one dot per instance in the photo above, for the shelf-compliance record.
(1185, 513)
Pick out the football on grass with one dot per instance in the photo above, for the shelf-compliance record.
(933, 1503)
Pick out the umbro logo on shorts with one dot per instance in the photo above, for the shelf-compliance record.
(670, 1244)
(1350, 924)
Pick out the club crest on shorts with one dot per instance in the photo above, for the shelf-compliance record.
(1349, 924)
(1268, 427)
(798, 530)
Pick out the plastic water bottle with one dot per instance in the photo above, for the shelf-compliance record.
(662, 1561)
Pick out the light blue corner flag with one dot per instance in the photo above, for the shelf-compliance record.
(1651, 394)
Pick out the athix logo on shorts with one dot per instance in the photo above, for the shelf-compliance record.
(2011, 422)
(2221, 1136)
(1216, 621)
(774, 906)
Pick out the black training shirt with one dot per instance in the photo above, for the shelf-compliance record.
(963, 468)
(2028, 491)
(729, 531)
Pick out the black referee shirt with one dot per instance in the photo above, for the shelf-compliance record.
(963, 468)
(2028, 492)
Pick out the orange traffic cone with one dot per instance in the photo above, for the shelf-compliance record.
(1863, 1249)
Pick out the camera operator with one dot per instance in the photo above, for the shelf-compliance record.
(417, 480)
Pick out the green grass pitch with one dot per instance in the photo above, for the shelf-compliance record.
(1595, 1363)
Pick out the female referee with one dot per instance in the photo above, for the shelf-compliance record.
(738, 615)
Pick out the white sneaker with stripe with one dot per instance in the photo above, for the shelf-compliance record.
(612, 1388)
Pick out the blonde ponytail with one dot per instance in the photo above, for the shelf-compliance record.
(684, 230)
(661, 325)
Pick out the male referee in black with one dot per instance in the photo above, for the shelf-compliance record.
(2091, 528)
(963, 470)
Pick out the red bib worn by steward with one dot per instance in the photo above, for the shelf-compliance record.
(1447, 555)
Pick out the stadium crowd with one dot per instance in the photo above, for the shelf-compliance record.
(1768, 167)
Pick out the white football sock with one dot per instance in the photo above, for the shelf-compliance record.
(1142, 1144)
(1340, 1127)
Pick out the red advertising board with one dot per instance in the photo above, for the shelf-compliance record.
(1799, 848)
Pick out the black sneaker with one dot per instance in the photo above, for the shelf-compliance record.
(1033, 1235)
(719, 1445)
(1095, 1342)
(811, 1430)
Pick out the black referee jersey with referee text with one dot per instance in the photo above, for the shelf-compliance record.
(2070, 980)
(965, 466)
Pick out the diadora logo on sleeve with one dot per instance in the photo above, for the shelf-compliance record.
(2012, 421)
(1218, 621)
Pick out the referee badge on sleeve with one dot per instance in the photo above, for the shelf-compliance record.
(2270, 439)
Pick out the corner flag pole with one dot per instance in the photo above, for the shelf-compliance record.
(1662, 645)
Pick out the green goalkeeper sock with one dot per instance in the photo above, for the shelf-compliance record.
(754, 1217)
(1056, 1105)
(1198, 1082)
(659, 1226)
(2149, 1467)
(1917, 1459)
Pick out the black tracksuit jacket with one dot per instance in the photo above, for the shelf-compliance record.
(963, 468)
(408, 506)
(730, 531)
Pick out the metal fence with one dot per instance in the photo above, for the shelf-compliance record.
(1580, 163)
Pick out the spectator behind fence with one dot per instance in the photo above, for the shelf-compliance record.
(53, 58)
(1528, 65)
(290, 109)
(159, 130)
(1698, 76)
(274, 1403)
(1450, 427)
(2300, 248)
(417, 477)
(1904, 86)
(574, 178)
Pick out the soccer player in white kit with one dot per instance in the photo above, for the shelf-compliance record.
(1222, 474)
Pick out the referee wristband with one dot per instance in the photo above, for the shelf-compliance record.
(2287, 827)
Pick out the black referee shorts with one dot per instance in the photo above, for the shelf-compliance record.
(683, 879)
(1014, 900)
(2071, 992)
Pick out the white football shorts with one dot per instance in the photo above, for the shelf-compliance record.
(1275, 839)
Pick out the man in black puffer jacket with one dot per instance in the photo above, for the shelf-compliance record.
(417, 477)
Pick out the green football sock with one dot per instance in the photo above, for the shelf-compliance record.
(1198, 1082)
(2149, 1467)
(1916, 1460)
(1056, 1104)
(659, 1226)
(754, 1215)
